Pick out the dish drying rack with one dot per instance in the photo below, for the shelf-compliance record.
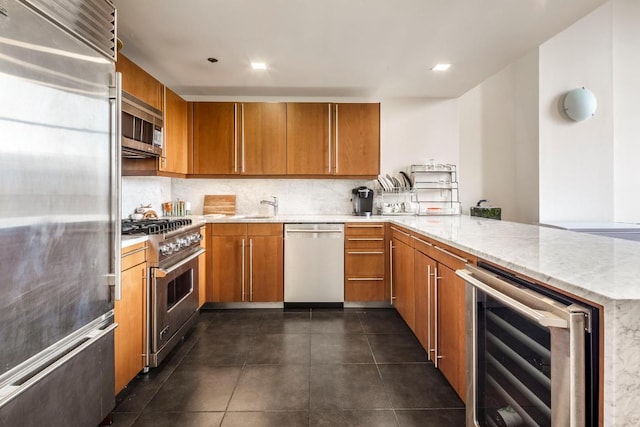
(436, 189)
(433, 191)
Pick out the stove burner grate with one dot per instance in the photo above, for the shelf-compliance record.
(152, 226)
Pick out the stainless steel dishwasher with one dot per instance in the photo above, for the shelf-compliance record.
(314, 264)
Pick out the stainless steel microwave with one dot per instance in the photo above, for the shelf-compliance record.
(142, 128)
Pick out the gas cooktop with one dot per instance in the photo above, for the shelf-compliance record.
(153, 226)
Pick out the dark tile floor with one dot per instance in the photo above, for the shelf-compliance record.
(293, 368)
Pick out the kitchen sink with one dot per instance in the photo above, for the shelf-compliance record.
(251, 217)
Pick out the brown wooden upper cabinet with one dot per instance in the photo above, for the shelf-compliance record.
(239, 138)
(215, 138)
(263, 138)
(309, 142)
(277, 139)
(174, 159)
(357, 139)
(139, 83)
(333, 139)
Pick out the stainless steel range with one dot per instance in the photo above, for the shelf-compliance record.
(173, 286)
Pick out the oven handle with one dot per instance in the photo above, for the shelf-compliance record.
(543, 318)
(161, 272)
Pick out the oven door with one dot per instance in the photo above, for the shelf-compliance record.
(527, 364)
(174, 303)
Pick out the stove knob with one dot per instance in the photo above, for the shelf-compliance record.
(166, 250)
(175, 246)
(184, 242)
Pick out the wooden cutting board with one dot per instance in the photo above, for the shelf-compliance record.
(220, 204)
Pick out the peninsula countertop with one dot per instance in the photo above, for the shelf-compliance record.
(600, 269)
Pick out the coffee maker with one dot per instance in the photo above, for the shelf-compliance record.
(362, 201)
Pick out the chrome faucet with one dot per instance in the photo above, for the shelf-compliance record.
(273, 203)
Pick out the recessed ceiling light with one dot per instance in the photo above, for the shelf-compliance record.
(441, 67)
(258, 65)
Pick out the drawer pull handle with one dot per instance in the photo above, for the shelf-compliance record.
(365, 239)
(365, 226)
(365, 279)
(459, 258)
(421, 241)
(126, 254)
(401, 232)
(366, 253)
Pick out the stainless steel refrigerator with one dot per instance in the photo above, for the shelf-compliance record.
(59, 214)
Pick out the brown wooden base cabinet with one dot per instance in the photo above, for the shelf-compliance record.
(431, 299)
(130, 315)
(247, 262)
(402, 271)
(364, 262)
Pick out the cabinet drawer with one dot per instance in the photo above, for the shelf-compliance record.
(364, 242)
(264, 229)
(364, 229)
(364, 263)
(228, 229)
(452, 258)
(364, 289)
(423, 244)
(401, 235)
(133, 255)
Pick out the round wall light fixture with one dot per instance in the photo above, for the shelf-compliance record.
(580, 104)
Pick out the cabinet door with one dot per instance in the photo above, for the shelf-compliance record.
(403, 288)
(215, 142)
(175, 134)
(229, 280)
(139, 83)
(266, 269)
(129, 335)
(308, 139)
(424, 269)
(451, 328)
(357, 139)
(264, 138)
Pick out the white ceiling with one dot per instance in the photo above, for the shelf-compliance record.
(335, 48)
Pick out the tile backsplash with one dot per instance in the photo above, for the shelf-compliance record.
(137, 190)
(295, 196)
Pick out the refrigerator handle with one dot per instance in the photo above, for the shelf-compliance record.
(115, 99)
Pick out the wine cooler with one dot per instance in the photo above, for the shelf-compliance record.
(533, 353)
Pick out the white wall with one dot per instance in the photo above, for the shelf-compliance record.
(499, 141)
(576, 158)
(626, 88)
(415, 130)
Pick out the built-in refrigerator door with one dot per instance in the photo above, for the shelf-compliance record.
(58, 217)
